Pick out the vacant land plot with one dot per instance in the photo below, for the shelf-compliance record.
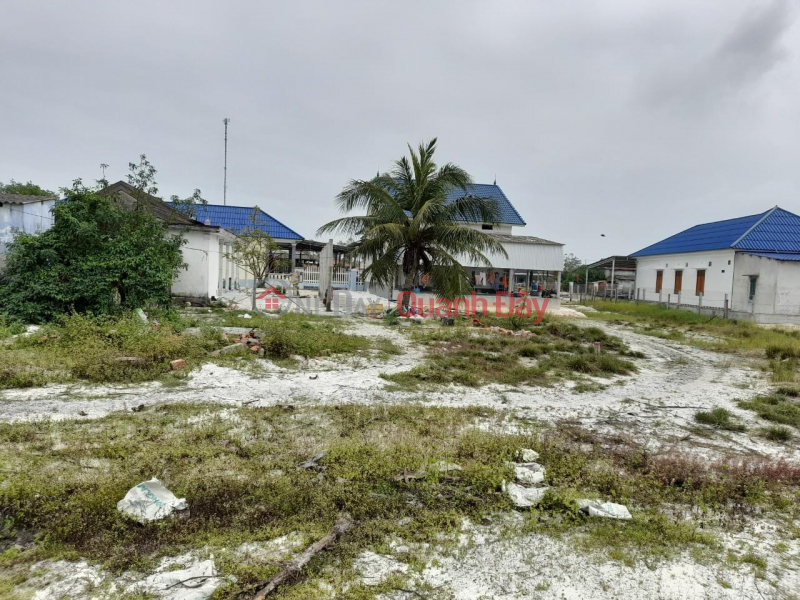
(417, 426)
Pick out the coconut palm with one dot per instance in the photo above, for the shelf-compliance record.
(409, 222)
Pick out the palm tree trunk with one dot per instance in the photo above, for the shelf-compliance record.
(408, 286)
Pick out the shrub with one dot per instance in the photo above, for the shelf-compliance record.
(777, 433)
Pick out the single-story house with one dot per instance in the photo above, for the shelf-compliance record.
(752, 263)
(204, 251)
(532, 262)
(28, 214)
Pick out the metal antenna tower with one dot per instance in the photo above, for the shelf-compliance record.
(226, 120)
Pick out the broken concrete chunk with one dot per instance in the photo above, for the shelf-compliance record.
(445, 467)
(530, 473)
(524, 497)
(228, 349)
(150, 501)
(131, 360)
(608, 510)
(177, 364)
(527, 455)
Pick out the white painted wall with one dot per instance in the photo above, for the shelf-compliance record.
(32, 217)
(202, 255)
(718, 265)
(777, 286)
(526, 257)
(499, 228)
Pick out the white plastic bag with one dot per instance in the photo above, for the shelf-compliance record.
(150, 501)
(608, 510)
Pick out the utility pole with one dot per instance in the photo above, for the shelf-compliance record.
(226, 120)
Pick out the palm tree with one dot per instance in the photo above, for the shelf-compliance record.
(410, 222)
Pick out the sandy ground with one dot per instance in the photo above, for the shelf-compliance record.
(655, 405)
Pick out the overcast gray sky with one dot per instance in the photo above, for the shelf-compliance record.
(633, 119)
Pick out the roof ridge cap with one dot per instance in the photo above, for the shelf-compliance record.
(754, 225)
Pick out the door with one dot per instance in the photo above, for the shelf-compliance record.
(678, 281)
(700, 286)
(659, 280)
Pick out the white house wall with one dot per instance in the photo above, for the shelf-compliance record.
(33, 217)
(777, 286)
(718, 265)
(201, 255)
(526, 257)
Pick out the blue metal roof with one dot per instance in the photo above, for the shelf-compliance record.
(237, 218)
(777, 255)
(508, 215)
(776, 230)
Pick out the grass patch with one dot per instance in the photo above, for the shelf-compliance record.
(779, 407)
(553, 351)
(125, 349)
(721, 418)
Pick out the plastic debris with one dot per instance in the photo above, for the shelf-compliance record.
(150, 501)
(608, 510)
(524, 497)
(531, 473)
(527, 455)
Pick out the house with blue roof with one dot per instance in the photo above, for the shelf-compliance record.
(750, 263)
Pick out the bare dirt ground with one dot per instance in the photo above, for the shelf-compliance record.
(656, 405)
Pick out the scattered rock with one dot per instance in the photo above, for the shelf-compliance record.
(531, 473)
(524, 497)
(245, 316)
(177, 364)
(527, 455)
(196, 582)
(83, 413)
(312, 463)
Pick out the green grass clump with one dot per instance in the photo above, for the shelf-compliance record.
(778, 408)
(777, 433)
(721, 418)
(558, 350)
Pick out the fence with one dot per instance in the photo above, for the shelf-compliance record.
(342, 278)
(601, 290)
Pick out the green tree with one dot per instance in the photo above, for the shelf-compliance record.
(257, 252)
(188, 206)
(410, 223)
(97, 258)
(28, 189)
(575, 271)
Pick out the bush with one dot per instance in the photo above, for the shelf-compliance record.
(97, 258)
(777, 433)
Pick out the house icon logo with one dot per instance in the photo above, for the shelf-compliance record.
(271, 298)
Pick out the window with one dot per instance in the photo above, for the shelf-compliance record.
(659, 280)
(487, 226)
(753, 281)
(678, 281)
(700, 285)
